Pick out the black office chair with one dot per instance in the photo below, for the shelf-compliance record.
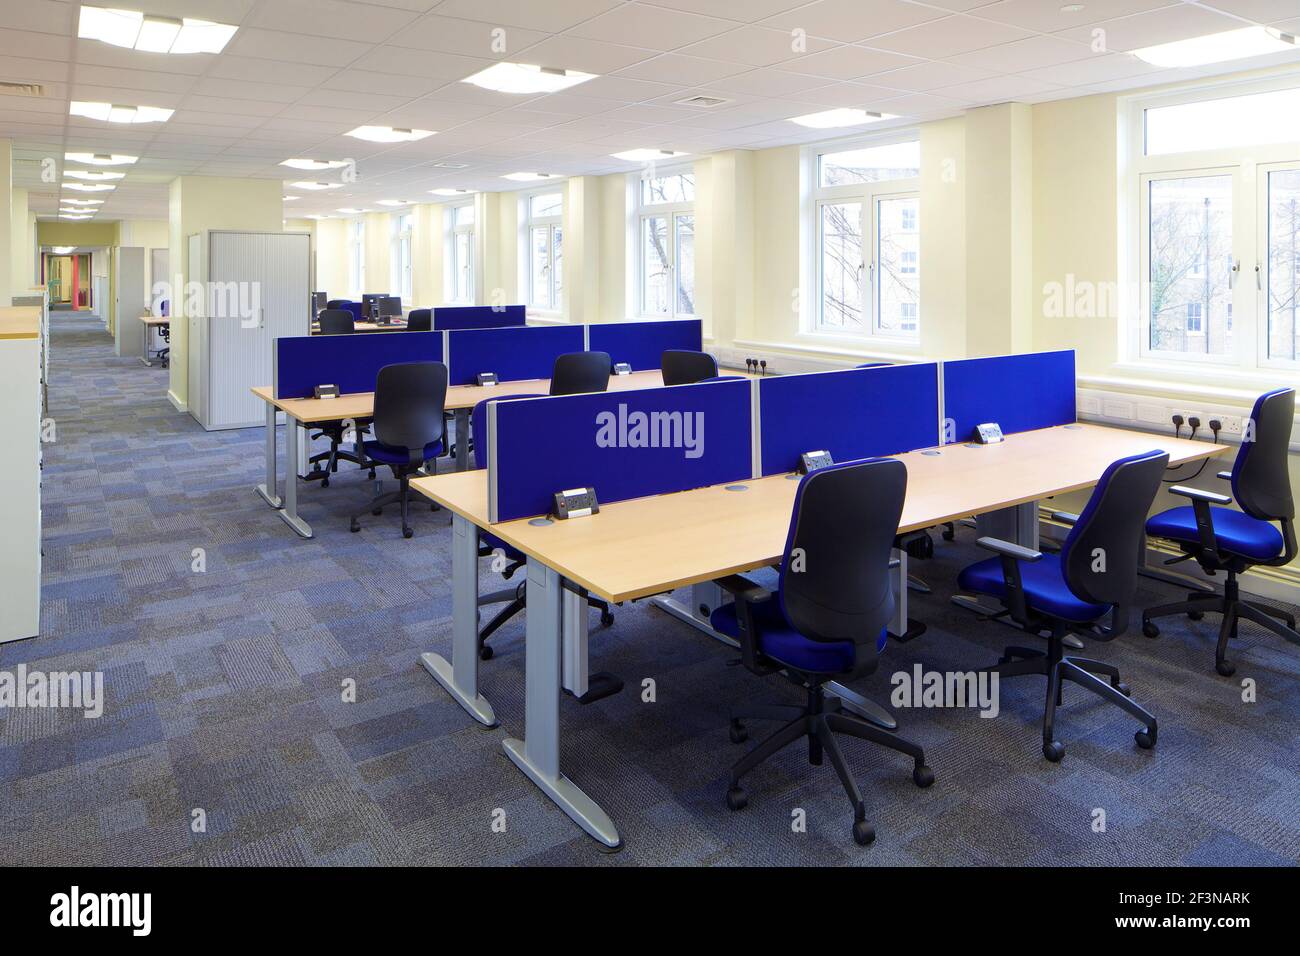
(336, 322)
(409, 401)
(1093, 575)
(419, 320)
(578, 372)
(337, 304)
(1220, 539)
(514, 597)
(164, 354)
(826, 619)
(680, 367)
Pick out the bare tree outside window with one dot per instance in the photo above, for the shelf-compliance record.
(1190, 264)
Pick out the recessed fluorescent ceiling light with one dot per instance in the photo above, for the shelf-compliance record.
(1217, 47)
(646, 155)
(307, 185)
(63, 250)
(89, 187)
(289, 198)
(95, 175)
(110, 113)
(526, 78)
(315, 164)
(315, 216)
(351, 211)
(100, 159)
(77, 211)
(451, 192)
(69, 216)
(389, 134)
(393, 202)
(134, 30)
(528, 177)
(83, 202)
(451, 165)
(829, 119)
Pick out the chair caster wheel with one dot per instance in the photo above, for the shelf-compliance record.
(922, 776)
(737, 799)
(1146, 739)
(324, 482)
(355, 526)
(1195, 615)
(485, 653)
(606, 618)
(1053, 750)
(376, 511)
(1225, 668)
(408, 532)
(1150, 630)
(864, 834)
(1123, 688)
(737, 732)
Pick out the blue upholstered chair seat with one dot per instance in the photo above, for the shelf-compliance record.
(1044, 585)
(779, 641)
(390, 455)
(1235, 532)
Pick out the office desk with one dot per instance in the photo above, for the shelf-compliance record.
(461, 400)
(152, 323)
(359, 327)
(635, 549)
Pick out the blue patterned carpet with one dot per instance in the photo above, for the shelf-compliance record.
(223, 696)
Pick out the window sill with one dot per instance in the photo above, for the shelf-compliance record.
(1187, 381)
(835, 346)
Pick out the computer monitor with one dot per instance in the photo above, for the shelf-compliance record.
(389, 307)
(319, 301)
(368, 300)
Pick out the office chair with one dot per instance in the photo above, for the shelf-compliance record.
(419, 320)
(409, 401)
(826, 619)
(337, 304)
(164, 354)
(1220, 539)
(515, 597)
(336, 322)
(578, 372)
(680, 367)
(1094, 574)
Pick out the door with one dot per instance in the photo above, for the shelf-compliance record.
(129, 300)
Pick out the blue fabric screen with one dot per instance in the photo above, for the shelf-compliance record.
(856, 413)
(602, 440)
(514, 354)
(446, 318)
(1019, 392)
(642, 344)
(352, 362)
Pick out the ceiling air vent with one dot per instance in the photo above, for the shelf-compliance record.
(702, 102)
(22, 89)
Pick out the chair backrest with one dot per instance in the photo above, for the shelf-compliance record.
(479, 426)
(419, 320)
(578, 372)
(409, 402)
(1261, 482)
(873, 365)
(336, 322)
(680, 367)
(1101, 553)
(835, 579)
(338, 303)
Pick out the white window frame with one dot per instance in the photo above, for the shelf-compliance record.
(454, 266)
(869, 196)
(356, 258)
(1245, 360)
(401, 276)
(674, 212)
(554, 299)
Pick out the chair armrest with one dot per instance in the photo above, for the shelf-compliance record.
(1201, 501)
(743, 589)
(1011, 555)
(1196, 494)
(1224, 476)
(1065, 517)
(747, 594)
(1009, 550)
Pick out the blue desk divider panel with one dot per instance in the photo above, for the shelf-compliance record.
(451, 317)
(627, 444)
(642, 344)
(352, 362)
(1019, 392)
(514, 354)
(855, 413)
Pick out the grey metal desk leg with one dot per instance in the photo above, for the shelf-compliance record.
(269, 490)
(462, 439)
(898, 581)
(574, 617)
(460, 677)
(290, 511)
(144, 356)
(538, 754)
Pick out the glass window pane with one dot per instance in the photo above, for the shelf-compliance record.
(557, 265)
(464, 215)
(1190, 235)
(898, 259)
(873, 164)
(679, 187)
(654, 265)
(548, 204)
(539, 252)
(1250, 120)
(685, 258)
(464, 267)
(841, 265)
(1283, 263)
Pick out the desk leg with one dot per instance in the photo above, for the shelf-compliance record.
(290, 511)
(462, 438)
(269, 490)
(538, 755)
(460, 677)
(574, 616)
(144, 356)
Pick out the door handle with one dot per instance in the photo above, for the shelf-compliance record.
(1259, 278)
(1232, 273)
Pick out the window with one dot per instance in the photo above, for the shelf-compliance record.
(544, 236)
(460, 253)
(402, 279)
(865, 260)
(666, 240)
(357, 258)
(1218, 250)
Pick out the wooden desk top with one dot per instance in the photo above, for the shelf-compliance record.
(156, 319)
(362, 404)
(20, 322)
(634, 549)
(361, 327)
